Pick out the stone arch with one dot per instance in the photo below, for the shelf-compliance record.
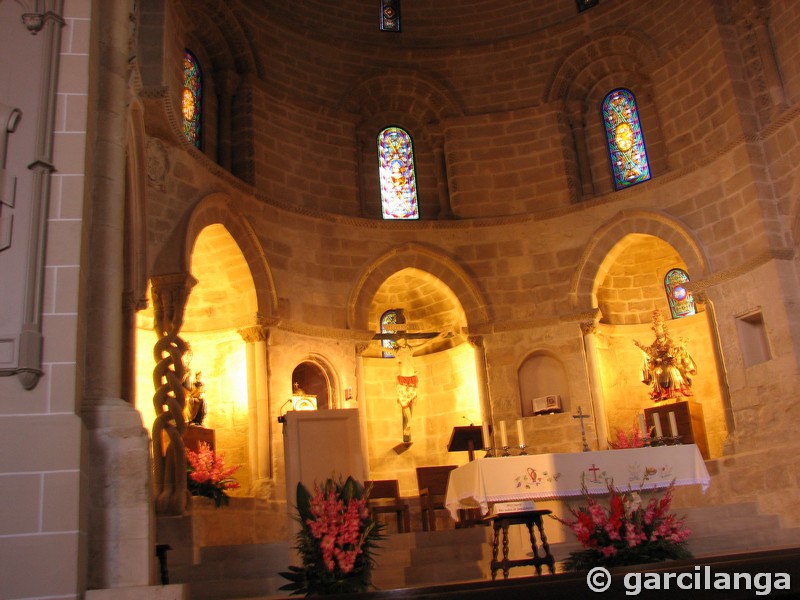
(401, 91)
(417, 103)
(541, 372)
(330, 374)
(217, 209)
(591, 59)
(615, 58)
(603, 247)
(419, 257)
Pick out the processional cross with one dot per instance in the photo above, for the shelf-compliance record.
(581, 417)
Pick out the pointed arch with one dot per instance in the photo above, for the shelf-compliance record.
(217, 209)
(602, 250)
(416, 256)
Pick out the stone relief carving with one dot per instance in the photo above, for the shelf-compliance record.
(156, 164)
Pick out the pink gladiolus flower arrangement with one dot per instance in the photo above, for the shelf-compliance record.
(632, 439)
(208, 475)
(627, 532)
(335, 541)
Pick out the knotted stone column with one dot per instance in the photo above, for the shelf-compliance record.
(170, 293)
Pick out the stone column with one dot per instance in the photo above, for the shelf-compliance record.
(170, 293)
(227, 82)
(258, 401)
(483, 379)
(120, 523)
(589, 330)
(585, 182)
(442, 178)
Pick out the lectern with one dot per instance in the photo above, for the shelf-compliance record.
(466, 439)
(319, 444)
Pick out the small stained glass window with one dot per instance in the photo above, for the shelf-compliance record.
(396, 169)
(681, 302)
(390, 15)
(626, 148)
(191, 103)
(389, 320)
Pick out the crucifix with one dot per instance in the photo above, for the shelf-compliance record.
(581, 417)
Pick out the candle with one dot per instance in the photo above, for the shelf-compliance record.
(657, 423)
(503, 437)
(487, 441)
(642, 427)
(673, 426)
(520, 433)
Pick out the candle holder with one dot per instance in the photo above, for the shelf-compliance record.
(522, 449)
(674, 440)
(505, 451)
(489, 452)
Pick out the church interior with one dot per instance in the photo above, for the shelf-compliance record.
(495, 214)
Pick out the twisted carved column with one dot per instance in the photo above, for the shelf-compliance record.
(170, 293)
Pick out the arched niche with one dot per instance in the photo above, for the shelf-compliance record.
(223, 301)
(542, 374)
(629, 287)
(312, 377)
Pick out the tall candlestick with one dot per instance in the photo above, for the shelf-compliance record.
(487, 441)
(673, 426)
(657, 423)
(642, 426)
(520, 433)
(503, 437)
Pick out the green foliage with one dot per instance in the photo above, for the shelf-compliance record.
(336, 541)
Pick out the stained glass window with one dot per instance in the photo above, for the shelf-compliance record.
(625, 139)
(191, 103)
(681, 303)
(388, 322)
(398, 182)
(390, 15)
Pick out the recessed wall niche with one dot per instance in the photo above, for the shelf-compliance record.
(541, 374)
(753, 338)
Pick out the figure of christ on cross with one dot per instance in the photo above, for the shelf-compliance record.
(407, 381)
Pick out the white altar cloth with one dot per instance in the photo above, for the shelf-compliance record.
(485, 481)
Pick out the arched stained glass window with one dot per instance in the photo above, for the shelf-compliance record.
(681, 303)
(388, 322)
(191, 103)
(396, 169)
(626, 149)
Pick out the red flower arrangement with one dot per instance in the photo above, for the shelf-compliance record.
(627, 532)
(335, 541)
(632, 439)
(208, 476)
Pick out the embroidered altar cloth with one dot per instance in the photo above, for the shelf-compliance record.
(486, 481)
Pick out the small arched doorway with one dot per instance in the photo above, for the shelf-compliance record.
(313, 380)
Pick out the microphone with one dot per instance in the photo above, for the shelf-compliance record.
(471, 424)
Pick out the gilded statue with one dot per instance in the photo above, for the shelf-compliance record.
(667, 367)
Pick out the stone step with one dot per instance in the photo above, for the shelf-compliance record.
(456, 555)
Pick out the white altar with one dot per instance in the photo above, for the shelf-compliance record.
(486, 481)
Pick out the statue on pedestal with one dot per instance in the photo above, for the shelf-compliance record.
(196, 408)
(667, 366)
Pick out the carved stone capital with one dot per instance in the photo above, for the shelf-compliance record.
(254, 333)
(170, 293)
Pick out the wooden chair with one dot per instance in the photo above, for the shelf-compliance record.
(384, 497)
(432, 484)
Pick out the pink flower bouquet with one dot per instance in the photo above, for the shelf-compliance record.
(627, 532)
(335, 541)
(208, 475)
